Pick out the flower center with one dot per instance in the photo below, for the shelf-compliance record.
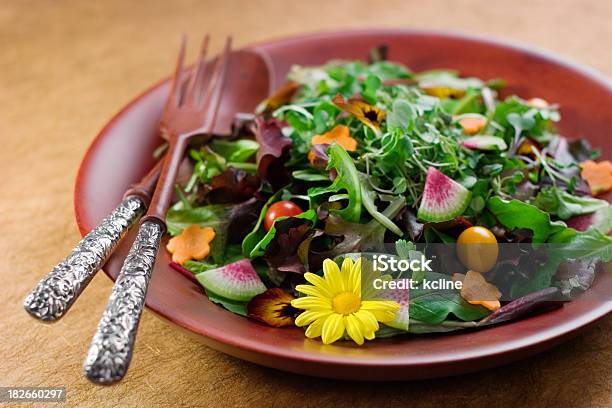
(371, 115)
(346, 303)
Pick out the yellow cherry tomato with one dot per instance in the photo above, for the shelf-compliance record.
(477, 249)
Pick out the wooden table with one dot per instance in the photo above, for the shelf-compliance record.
(67, 66)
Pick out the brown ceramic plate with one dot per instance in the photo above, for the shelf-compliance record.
(121, 154)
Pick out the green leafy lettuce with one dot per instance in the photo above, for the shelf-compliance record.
(517, 214)
(565, 205)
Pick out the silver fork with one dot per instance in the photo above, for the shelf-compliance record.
(189, 112)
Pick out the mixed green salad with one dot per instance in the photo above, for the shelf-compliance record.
(352, 155)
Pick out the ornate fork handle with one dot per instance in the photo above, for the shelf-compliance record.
(57, 291)
(111, 348)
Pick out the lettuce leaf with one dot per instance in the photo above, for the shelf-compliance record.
(238, 151)
(208, 216)
(517, 214)
(272, 153)
(568, 244)
(565, 205)
(233, 306)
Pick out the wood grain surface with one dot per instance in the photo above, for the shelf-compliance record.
(67, 66)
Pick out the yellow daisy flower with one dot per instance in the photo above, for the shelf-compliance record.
(334, 305)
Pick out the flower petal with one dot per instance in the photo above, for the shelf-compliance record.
(369, 115)
(312, 291)
(354, 328)
(310, 316)
(333, 328)
(320, 283)
(315, 328)
(380, 305)
(333, 276)
(368, 320)
(311, 302)
(272, 307)
(347, 265)
(354, 281)
(346, 270)
(382, 316)
(280, 97)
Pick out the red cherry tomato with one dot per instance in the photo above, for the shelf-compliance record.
(280, 209)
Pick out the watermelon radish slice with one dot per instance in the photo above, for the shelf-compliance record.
(443, 198)
(484, 143)
(401, 296)
(236, 281)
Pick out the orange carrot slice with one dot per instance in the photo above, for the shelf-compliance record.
(597, 175)
(477, 291)
(339, 134)
(192, 243)
(472, 124)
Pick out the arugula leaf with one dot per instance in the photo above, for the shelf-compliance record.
(588, 244)
(565, 205)
(250, 241)
(433, 306)
(308, 175)
(517, 214)
(368, 202)
(346, 179)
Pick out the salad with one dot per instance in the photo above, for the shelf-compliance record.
(351, 157)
